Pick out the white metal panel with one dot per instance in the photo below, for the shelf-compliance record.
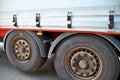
(13, 5)
(91, 15)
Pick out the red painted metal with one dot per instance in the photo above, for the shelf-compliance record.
(4, 30)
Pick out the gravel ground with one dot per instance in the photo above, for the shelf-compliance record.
(8, 72)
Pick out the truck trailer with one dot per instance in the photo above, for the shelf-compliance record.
(83, 36)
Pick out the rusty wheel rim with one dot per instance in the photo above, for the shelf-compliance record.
(22, 49)
(84, 63)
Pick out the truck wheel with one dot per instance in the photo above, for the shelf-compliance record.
(86, 57)
(23, 51)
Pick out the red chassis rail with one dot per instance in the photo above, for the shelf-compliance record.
(4, 30)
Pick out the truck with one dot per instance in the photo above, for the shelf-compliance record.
(83, 36)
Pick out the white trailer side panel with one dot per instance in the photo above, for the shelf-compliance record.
(88, 15)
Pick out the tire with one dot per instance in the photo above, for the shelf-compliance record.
(23, 52)
(86, 57)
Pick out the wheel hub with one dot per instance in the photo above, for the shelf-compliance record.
(84, 63)
(22, 49)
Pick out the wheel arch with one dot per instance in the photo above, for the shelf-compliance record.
(63, 36)
(7, 34)
(57, 41)
(5, 38)
(112, 40)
